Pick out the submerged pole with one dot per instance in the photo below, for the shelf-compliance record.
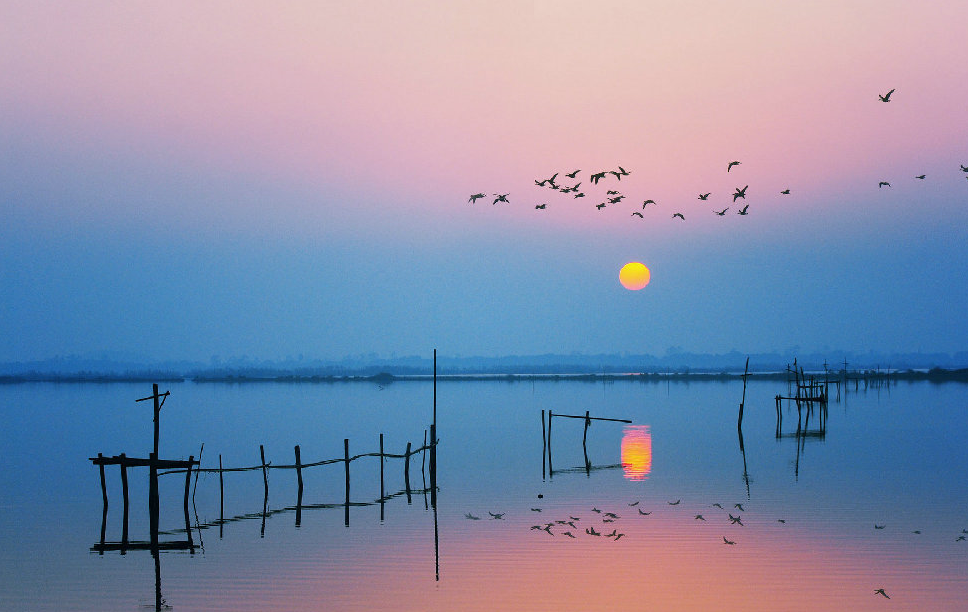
(433, 465)
(221, 498)
(124, 497)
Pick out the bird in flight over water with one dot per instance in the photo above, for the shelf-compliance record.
(573, 174)
(883, 184)
(683, 218)
(730, 165)
(501, 197)
(474, 198)
(742, 211)
(964, 168)
(886, 97)
(647, 202)
(704, 196)
(881, 592)
(740, 193)
(540, 206)
(921, 176)
(638, 214)
(730, 542)
(721, 212)
(785, 192)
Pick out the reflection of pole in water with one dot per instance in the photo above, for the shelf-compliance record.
(742, 450)
(544, 446)
(436, 548)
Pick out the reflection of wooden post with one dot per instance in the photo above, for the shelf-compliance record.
(381, 468)
(153, 500)
(433, 465)
(346, 459)
(299, 494)
(544, 446)
(551, 469)
(406, 473)
(188, 483)
(124, 495)
(221, 498)
(104, 490)
(265, 474)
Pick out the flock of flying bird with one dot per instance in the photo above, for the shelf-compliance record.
(573, 525)
(614, 196)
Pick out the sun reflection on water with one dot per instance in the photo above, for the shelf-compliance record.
(636, 452)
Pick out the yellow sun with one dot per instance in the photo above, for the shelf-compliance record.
(634, 276)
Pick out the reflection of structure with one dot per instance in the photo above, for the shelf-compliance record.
(546, 442)
(637, 452)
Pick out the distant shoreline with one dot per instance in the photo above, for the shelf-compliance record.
(384, 378)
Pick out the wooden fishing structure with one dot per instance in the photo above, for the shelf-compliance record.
(546, 440)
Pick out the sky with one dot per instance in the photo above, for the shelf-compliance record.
(186, 180)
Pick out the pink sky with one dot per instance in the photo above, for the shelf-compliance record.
(366, 126)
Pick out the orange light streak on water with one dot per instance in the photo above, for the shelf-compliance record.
(637, 452)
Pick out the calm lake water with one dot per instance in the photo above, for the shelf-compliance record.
(893, 457)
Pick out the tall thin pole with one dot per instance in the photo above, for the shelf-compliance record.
(435, 387)
(154, 393)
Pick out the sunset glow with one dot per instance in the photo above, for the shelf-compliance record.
(637, 452)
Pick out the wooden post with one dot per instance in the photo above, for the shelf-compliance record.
(588, 422)
(544, 446)
(435, 386)
(104, 490)
(221, 498)
(346, 459)
(423, 460)
(265, 483)
(584, 447)
(381, 468)
(406, 473)
(124, 496)
(188, 484)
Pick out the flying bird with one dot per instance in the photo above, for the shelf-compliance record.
(540, 206)
(647, 202)
(600, 206)
(474, 198)
(730, 542)
(638, 214)
(730, 165)
(718, 505)
(876, 526)
(579, 195)
(964, 168)
(501, 197)
(740, 506)
(470, 516)
(634, 504)
(535, 509)
(883, 184)
(703, 196)
(573, 174)
(611, 192)
(496, 516)
(700, 517)
(921, 176)
(785, 192)
(644, 513)
(742, 211)
(674, 215)
(740, 193)
(881, 591)
(886, 97)
(675, 503)
(721, 212)
(597, 176)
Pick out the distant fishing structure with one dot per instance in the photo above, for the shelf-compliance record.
(546, 441)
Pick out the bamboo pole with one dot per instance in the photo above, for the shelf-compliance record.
(433, 465)
(381, 467)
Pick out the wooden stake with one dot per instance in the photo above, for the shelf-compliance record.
(124, 495)
(221, 498)
(265, 474)
(104, 490)
(433, 465)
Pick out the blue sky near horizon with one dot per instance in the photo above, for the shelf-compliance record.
(183, 181)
